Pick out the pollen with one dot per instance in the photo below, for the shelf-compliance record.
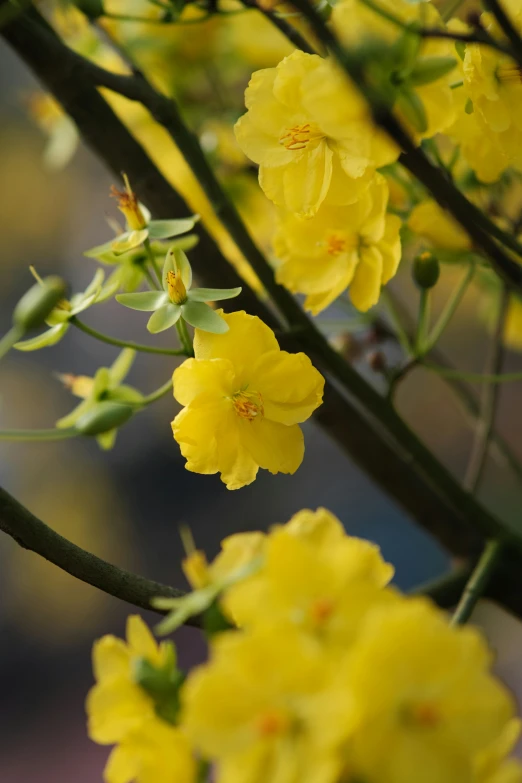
(176, 288)
(335, 244)
(299, 137)
(248, 405)
(272, 723)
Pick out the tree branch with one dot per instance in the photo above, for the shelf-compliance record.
(32, 534)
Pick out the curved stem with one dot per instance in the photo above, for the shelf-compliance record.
(32, 534)
(39, 435)
(105, 338)
(184, 337)
(478, 582)
(423, 321)
(488, 404)
(11, 337)
(449, 310)
(158, 394)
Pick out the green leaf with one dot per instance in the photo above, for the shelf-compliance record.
(44, 340)
(203, 317)
(129, 241)
(411, 106)
(164, 229)
(212, 294)
(164, 318)
(147, 301)
(121, 366)
(429, 69)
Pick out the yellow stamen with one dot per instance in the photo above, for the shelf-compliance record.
(248, 405)
(335, 244)
(298, 137)
(128, 204)
(273, 722)
(424, 714)
(321, 610)
(176, 288)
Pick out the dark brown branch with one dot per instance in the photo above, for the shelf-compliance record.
(32, 534)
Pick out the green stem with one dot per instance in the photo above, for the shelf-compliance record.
(478, 582)
(423, 321)
(184, 337)
(157, 395)
(489, 398)
(473, 377)
(105, 338)
(450, 309)
(38, 435)
(396, 320)
(153, 262)
(14, 334)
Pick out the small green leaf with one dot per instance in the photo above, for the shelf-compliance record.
(147, 301)
(102, 381)
(203, 317)
(121, 366)
(460, 48)
(164, 229)
(411, 106)
(429, 69)
(44, 340)
(469, 108)
(212, 294)
(129, 241)
(164, 318)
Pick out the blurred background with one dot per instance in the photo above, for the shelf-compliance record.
(126, 505)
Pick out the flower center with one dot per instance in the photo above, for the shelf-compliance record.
(176, 288)
(335, 244)
(248, 405)
(273, 722)
(423, 714)
(298, 137)
(321, 610)
(509, 74)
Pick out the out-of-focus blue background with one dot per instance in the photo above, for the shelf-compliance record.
(127, 505)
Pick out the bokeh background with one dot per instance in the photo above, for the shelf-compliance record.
(126, 505)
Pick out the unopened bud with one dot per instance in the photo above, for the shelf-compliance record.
(426, 270)
(104, 416)
(36, 305)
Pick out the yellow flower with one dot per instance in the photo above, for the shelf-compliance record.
(492, 766)
(313, 576)
(129, 206)
(264, 709)
(426, 702)
(513, 324)
(356, 245)
(311, 135)
(354, 21)
(429, 221)
(153, 753)
(117, 704)
(244, 400)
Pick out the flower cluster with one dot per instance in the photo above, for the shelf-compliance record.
(325, 674)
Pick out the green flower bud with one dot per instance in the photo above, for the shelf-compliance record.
(104, 416)
(36, 305)
(426, 270)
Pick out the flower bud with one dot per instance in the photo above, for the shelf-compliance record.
(128, 204)
(37, 304)
(176, 288)
(426, 270)
(104, 416)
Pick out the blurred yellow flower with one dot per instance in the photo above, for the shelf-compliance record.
(429, 221)
(426, 701)
(513, 324)
(154, 753)
(244, 401)
(311, 135)
(264, 708)
(354, 22)
(116, 704)
(315, 577)
(356, 246)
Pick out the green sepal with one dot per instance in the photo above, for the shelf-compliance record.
(146, 301)
(203, 317)
(126, 394)
(121, 366)
(165, 229)
(165, 317)
(429, 69)
(212, 294)
(129, 241)
(460, 48)
(71, 418)
(107, 440)
(44, 340)
(214, 621)
(162, 685)
(411, 106)
(103, 253)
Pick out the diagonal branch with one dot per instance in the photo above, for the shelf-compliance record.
(32, 534)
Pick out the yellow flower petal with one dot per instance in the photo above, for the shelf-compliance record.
(306, 182)
(110, 658)
(273, 446)
(121, 766)
(290, 386)
(366, 284)
(114, 708)
(140, 640)
(197, 376)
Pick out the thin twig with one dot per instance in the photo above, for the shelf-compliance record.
(288, 30)
(488, 403)
(507, 27)
(105, 338)
(478, 582)
(31, 533)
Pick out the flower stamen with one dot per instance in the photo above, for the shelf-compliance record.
(298, 137)
(248, 405)
(128, 204)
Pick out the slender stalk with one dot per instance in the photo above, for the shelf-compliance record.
(157, 395)
(153, 262)
(473, 377)
(488, 403)
(38, 435)
(478, 582)
(450, 309)
(11, 337)
(288, 30)
(105, 338)
(395, 317)
(447, 589)
(423, 321)
(184, 337)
